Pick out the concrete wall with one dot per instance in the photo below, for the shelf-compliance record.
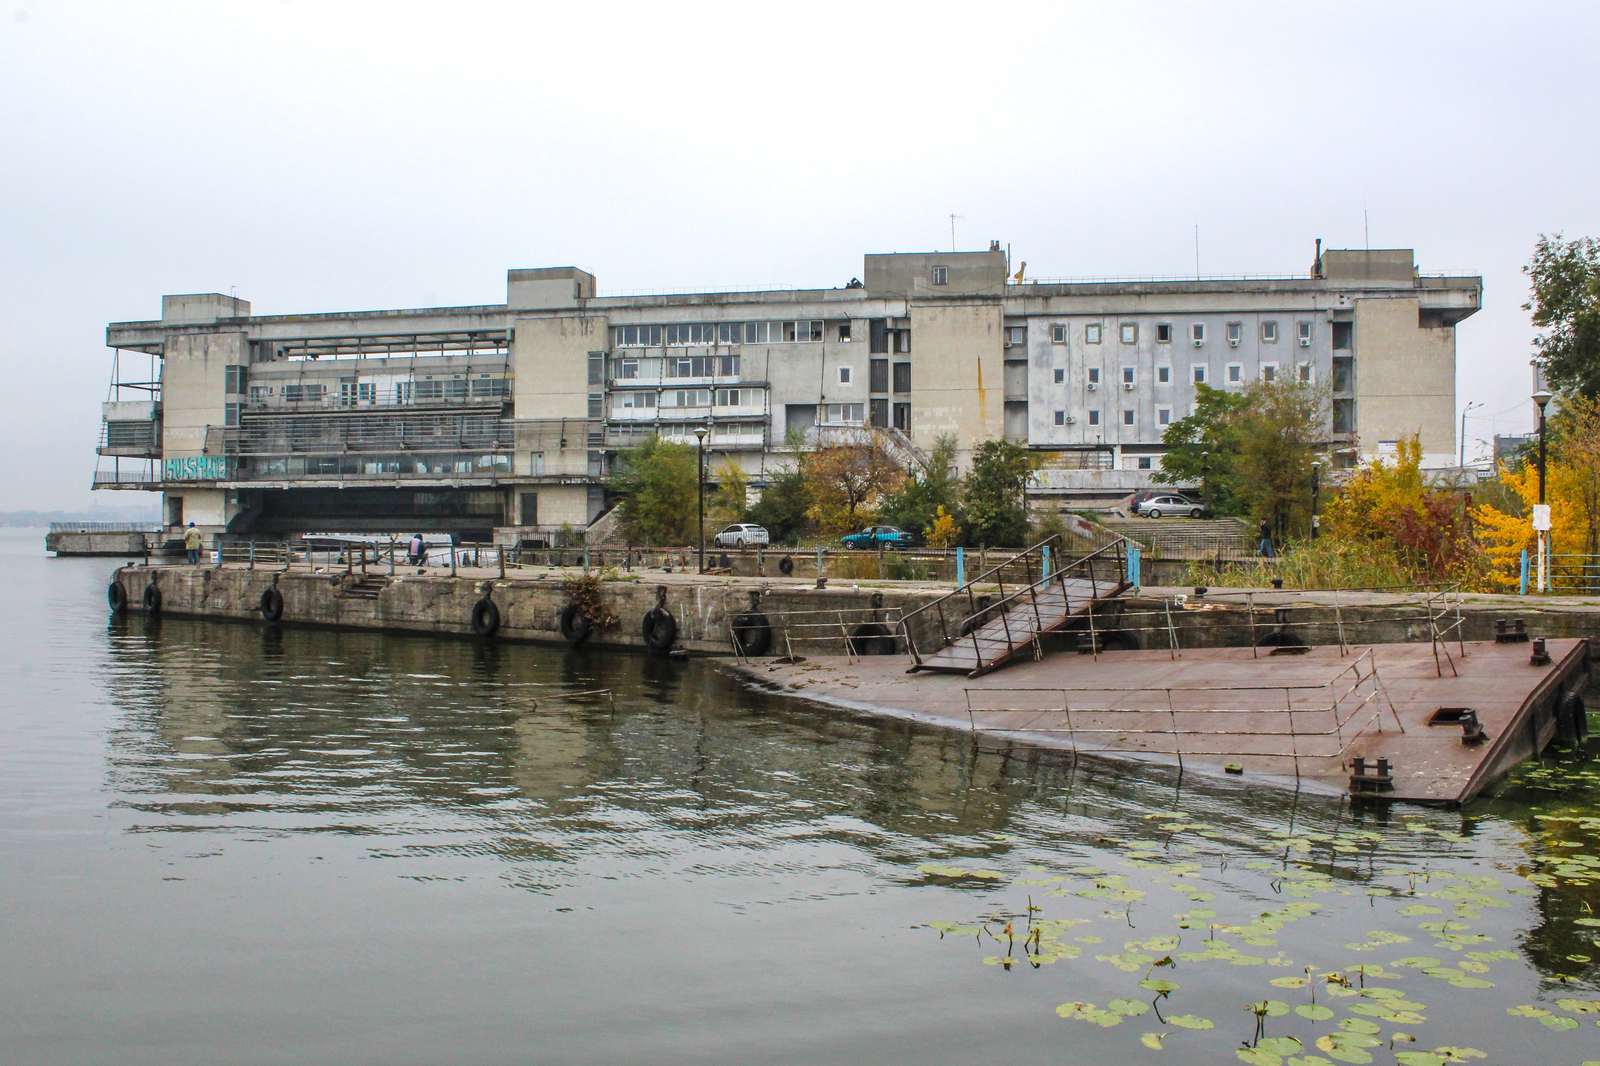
(957, 375)
(548, 287)
(911, 273)
(1405, 380)
(185, 308)
(192, 399)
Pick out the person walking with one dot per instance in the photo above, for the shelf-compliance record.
(191, 543)
(1264, 540)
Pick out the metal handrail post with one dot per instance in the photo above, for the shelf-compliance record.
(1250, 607)
(1177, 742)
(1294, 743)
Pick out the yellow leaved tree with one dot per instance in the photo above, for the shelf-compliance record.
(1572, 488)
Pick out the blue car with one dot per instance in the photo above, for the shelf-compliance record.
(874, 537)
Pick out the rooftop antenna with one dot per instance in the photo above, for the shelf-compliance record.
(1197, 251)
(1366, 233)
(953, 217)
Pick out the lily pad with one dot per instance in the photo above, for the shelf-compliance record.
(1191, 1021)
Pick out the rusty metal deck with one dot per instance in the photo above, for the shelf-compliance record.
(1148, 705)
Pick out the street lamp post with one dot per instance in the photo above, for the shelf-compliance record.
(1541, 516)
(1316, 487)
(1462, 460)
(700, 486)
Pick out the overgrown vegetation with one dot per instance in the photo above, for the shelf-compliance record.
(659, 482)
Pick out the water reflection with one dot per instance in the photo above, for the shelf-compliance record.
(441, 756)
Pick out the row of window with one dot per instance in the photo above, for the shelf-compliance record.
(1128, 333)
(706, 333)
(402, 392)
(687, 398)
(1163, 417)
(1305, 373)
(698, 366)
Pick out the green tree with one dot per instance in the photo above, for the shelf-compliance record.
(1564, 277)
(782, 507)
(995, 500)
(657, 480)
(729, 502)
(848, 483)
(1282, 429)
(916, 505)
(1203, 448)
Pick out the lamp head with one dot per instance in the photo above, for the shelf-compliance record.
(1542, 397)
(700, 434)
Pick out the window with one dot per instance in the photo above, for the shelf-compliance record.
(1060, 375)
(596, 405)
(878, 413)
(1091, 333)
(686, 398)
(729, 397)
(844, 375)
(1127, 416)
(597, 368)
(902, 377)
(1344, 335)
(1128, 375)
(902, 417)
(803, 331)
(1197, 373)
(636, 400)
(484, 385)
(1305, 374)
(1163, 416)
(878, 375)
(259, 393)
(941, 275)
(845, 412)
(1094, 375)
(1058, 333)
(1235, 373)
(230, 414)
(1144, 462)
(1197, 333)
(1305, 334)
(1163, 332)
(1130, 333)
(1163, 375)
(1094, 417)
(762, 332)
(729, 332)
(233, 380)
(628, 368)
(844, 331)
(1016, 336)
(1269, 372)
(1235, 333)
(1269, 331)
(428, 389)
(1061, 418)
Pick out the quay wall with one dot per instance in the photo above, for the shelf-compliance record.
(809, 619)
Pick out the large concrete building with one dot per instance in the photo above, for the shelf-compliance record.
(503, 419)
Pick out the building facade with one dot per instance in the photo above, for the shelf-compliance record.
(504, 419)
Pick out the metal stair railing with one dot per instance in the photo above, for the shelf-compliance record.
(1083, 567)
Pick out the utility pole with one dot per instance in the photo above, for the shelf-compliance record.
(1541, 513)
(953, 217)
(1471, 406)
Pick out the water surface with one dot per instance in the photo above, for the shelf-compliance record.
(231, 842)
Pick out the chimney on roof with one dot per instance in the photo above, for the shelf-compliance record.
(1316, 264)
(994, 246)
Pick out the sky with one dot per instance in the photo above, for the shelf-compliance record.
(322, 156)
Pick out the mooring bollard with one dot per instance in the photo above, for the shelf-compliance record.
(1135, 566)
(961, 566)
(1044, 562)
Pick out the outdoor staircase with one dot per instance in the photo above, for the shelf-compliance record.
(1041, 599)
(363, 587)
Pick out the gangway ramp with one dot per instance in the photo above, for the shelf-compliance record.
(1045, 595)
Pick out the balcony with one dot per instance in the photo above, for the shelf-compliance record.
(131, 429)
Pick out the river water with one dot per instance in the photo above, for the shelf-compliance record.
(229, 842)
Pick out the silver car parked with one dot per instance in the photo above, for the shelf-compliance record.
(741, 535)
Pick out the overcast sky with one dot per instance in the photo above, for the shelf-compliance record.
(324, 156)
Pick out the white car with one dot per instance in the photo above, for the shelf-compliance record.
(741, 535)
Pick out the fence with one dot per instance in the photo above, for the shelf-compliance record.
(857, 630)
(101, 527)
(1245, 720)
(1575, 573)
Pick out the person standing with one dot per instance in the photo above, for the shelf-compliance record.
(191, 543)
(416, 549)
(1264, 540)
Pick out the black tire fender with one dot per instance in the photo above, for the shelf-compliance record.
(486, 618)
(786, 566)
(752, 634)
(660, 629)
(152, 598)
(872, 638)
(116, 596)
(574, 624)
(1573, 715)
(272, 604)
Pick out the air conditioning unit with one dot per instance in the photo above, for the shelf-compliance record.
(1127, 386)
(1070, 420)
(1305, 342)
(1198, 342)
(1233, 344)
(1091, 386)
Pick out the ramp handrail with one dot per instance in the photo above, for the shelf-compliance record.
(1081, 566)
